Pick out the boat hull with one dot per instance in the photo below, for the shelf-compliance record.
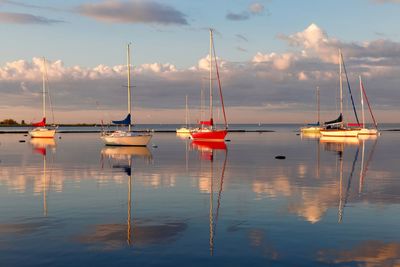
(183, 130)
(42, 133)
(311, 129)
(126, 139)
(210, 136)
(365, 131)
(340, 132)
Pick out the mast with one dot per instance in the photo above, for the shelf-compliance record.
(318, 108)
(340, 81)
(362, 103)
(186, 111)
(44, 87)
(211, 83)
(129, 82)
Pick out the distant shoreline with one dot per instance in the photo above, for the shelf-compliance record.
(137, 131)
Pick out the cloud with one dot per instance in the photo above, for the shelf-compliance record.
(386, 1)
(237, 16)
(278, 61)
(25, 5)
(241, 49)
(241, 37)
(270, 82)
(135, 11)
(23, 18)
(256, 8)
(252, 10)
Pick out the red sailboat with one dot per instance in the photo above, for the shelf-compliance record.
(207, 130)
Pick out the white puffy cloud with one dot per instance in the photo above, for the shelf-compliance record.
(256, 8)
(281, 82)
(279, 61)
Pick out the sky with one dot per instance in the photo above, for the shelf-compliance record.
(272, 54)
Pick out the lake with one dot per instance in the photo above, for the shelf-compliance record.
(75, 202)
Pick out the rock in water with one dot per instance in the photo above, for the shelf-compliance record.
(280, 157)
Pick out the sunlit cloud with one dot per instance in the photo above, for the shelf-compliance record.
(268, 81)
(136, 11)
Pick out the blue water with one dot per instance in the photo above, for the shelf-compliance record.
(75, 202)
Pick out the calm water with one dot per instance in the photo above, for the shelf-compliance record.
(75, 202)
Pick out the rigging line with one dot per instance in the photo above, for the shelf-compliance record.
(371, 153)
(220, 87)
(348, 86)
(350, 177)
(369, 106)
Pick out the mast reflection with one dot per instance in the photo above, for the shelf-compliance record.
(126, 154)
(40, 146)
(208, 151)
(339, 144)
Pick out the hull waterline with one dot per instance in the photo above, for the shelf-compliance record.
(340, 133)
(126, 140)
(210, 136)
(42, 133)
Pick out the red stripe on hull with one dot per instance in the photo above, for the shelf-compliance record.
(211, 136)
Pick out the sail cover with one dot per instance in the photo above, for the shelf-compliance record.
(125, 121)
(210, 122)
(337, 121)
(40, 123)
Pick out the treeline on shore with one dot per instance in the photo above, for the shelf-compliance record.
(14, 123)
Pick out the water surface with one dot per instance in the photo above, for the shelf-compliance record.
(75, 202)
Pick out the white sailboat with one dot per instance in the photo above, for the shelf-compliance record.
(366, 131)
(126, 138)
(41, 131)
(185, 129)
(315, 127)
(337, 128)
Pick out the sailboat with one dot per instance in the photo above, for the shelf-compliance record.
(316, 127)
(185, 129)
(337, 128)
(126, 138)
(41, 131)
(207, 130)
(366, 131)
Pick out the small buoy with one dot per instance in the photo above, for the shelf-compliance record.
(280, 157)
(25, 135)
(154, 146)
(59, 137)
(228, 140)
(22, 141)
(297, 134)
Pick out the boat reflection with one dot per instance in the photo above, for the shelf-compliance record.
(338, 145)
(306, 135)
(368, 253)
(40, 146)
(207, 152)
(135, 232)
(126, 153)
